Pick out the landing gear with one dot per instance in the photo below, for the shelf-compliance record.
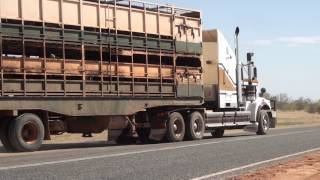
(143, 134)
(264, 123)
(127, 137)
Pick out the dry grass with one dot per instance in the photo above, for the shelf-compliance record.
(306, 167)
(297, 118)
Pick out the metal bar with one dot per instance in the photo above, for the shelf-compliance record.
(44, 50)
(83, 63)
(146, 46)
(63, 49)
(117, 50)
(157, 4)
(1, 60)
(100, 51)
(45, 66)
(110, 50)
(23, 50)
(132, 56)
(1, 54)
(160, 51)
(218, 91)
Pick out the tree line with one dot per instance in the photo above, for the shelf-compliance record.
(285, 103)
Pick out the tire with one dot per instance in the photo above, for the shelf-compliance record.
(4, 135)
(26, 133)
(264, 123)
(218, 133)
(195, 127)
(175, 128)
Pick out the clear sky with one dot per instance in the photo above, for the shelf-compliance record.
(284, 34)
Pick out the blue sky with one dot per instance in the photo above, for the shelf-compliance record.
(285, 36)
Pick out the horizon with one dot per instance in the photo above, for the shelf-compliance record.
(282, 37)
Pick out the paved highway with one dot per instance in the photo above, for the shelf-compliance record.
(205, 159)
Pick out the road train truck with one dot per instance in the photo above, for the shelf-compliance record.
(134, 69)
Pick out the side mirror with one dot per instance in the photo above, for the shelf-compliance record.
(249, 56)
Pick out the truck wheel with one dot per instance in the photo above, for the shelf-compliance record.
(175, 127)
(218, 133)
(264, 123)
(26, 133)
(4, 135)
(195, 127)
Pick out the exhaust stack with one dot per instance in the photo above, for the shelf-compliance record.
(238, 69)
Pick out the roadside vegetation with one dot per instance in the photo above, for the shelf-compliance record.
(285, 103)
(296, 112)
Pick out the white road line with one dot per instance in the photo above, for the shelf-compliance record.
(214, 175)
(145, 151)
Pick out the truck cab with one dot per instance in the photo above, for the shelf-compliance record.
(227, 105)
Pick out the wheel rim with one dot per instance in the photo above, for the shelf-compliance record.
(197, 127)
(30, 133)
(265, 123)
(177, 127)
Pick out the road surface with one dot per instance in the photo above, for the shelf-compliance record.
(206, 159)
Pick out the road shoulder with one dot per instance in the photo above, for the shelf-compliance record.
(306, 167)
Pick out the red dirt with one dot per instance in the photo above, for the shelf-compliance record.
(303, 168)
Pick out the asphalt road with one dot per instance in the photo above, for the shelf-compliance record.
(206, 159)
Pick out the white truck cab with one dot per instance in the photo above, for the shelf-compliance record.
(229, 89)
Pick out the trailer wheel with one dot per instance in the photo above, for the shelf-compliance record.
(4, 135)
(26, 133)
(264, 123)
(195, 127)
(175, 127)
(218, 133)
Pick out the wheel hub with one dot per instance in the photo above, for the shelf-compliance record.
(265, 122)
(29, 133)
(197, 127)
(177, 127)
